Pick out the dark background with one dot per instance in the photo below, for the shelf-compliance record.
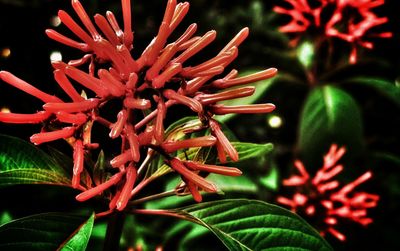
(22, 25)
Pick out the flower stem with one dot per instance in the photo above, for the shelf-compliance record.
(114, 232)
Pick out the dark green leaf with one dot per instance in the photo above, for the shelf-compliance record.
(79, 240)
(253, 157)
(22, 163)
(329, 115)
(253, 225)
(48, 231)
(381, 86)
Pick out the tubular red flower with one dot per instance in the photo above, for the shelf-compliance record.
(324, 194)
(67, 41)
(90, 193)
(178, 166)
(24, 86)
(43, 137)
(189, 102)
(72, 107)
(262, 75)
(194, 191)
(133, 142)
(223, 170)
(86, 80)
(223, 140)
(117, 128)
(207, 99)
(259, 108)
(77, 119)
(173, 146)
(133, 103)
(131, 174)
(66, 85)
(17, 118)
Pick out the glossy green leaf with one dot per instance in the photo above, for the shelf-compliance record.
(253, 225)
(385, 88)
(49, 231)
(253, 157)
(305, 53)
(329, 115)
(23, 163)
(261, 88)
(80, 239)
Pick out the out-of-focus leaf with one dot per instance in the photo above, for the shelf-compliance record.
(271, 180)
(329, 115)
(385, 88)
(5, 217)
(49, 231)
(253, 225)
(305, 54)
(22, 163)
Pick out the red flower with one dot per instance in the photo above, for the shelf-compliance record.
(355, 31)
(162, 71)
(323, 196)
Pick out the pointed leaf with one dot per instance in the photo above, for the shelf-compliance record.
(253, 225)
(48, 231)
(23, 163)
(80, 239)
(329, 115)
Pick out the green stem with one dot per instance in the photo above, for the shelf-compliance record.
(114, 232)
(153, 197)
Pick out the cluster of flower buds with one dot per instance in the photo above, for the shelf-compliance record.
(146, 87)
(323, 196)
(353, 29)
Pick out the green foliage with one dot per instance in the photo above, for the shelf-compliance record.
(329, 115)
(80, 238)
(49, 231)
(254, 225)
(23, 163)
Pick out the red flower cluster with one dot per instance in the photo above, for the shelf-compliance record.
(148, 85)
(355, 30)
(322, 196)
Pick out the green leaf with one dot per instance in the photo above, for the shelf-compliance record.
(329, 115)
(305, 54)
(261, 88)
(22, 163)
(49, 231)
(253, 157)
(385, 88)
(253, 225)
(271, 180)
(80, 239)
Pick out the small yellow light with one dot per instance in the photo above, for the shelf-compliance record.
(55, 21)
(5, 110)
(275, 121)
(5, 52)
(55, 56)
